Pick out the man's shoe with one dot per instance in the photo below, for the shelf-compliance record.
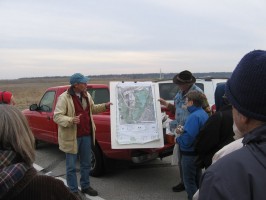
(77, 195)
(179, 188)
(90, 191)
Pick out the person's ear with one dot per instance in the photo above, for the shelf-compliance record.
(12, 101)
(243, 119)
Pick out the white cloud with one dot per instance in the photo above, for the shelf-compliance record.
(51, 37)
(48, 62)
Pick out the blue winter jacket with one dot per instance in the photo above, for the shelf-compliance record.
(193, 124)
(240, 175)
(181, 113)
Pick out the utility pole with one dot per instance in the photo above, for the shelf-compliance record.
(161, 74)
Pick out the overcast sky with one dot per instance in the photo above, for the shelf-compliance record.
(60, 37)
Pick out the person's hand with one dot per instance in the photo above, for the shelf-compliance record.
(179, 129)
(107, 105)
(76, 119)
(163, 102)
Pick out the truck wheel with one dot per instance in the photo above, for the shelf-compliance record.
(97, 167)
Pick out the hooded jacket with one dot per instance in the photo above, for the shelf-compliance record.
(240, 174)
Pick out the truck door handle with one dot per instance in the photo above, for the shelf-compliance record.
(48, 117)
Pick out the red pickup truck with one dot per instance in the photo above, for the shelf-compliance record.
(40, 118)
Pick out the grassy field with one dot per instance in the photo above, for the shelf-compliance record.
(29, 90)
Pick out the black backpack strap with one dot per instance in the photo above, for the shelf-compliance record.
(221, 114)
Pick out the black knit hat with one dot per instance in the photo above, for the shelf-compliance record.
(184, 77)
(246, 89)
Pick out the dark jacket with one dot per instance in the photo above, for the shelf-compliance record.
(41, 187)
(215, 134)
(240, 174)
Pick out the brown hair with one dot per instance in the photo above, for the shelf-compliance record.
(197, 97)
(15, 133)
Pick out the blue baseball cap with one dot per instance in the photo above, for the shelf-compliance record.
(78, 78)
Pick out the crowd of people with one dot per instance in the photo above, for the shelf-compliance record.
(233, 169)
(246, 176)
(185, 81)
(76, 134)
(230, 144)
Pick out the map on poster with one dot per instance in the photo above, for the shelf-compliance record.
(135, 116)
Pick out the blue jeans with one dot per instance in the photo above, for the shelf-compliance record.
(84, 154)
(191, 175)
(180, 166)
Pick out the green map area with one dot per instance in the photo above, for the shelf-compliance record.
(136, 105)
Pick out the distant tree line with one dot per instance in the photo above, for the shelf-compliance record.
(148, 76)
(161, 76)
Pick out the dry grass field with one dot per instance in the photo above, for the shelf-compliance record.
(29, 90)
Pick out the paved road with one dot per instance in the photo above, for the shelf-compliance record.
(150, 181)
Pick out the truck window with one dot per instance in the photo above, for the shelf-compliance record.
(47, 101)
(200, 85)
(99, 95)
(168, 90)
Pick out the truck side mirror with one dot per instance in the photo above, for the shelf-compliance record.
(33, 107)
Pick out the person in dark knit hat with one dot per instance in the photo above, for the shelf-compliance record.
(242, 173)
(218, 96)
(217, 131)
(185, 82)
(18, 178)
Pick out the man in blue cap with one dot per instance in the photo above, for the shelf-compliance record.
(76, 130)
(242, 173)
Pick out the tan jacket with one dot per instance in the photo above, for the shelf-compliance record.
(63, 116)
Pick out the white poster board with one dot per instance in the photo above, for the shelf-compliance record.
(136, 120)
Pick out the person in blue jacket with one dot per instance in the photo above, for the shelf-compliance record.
(242, 173)
(192, 126)
(185, 81)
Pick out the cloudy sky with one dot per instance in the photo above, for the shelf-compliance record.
(60, 37)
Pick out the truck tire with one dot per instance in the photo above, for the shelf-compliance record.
(97, 165)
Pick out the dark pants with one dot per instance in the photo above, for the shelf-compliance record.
(191, 175)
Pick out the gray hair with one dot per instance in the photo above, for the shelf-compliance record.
(15, 133)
